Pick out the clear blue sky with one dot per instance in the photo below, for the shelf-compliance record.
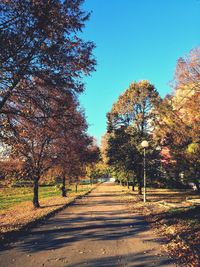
(135, 39)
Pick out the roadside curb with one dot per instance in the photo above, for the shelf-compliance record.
(11, 236)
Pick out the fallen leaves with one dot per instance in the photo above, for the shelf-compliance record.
(24, 213)
(181, 238)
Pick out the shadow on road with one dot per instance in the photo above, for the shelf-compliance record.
(100, 218)
(133, 259)
(62, 232)
(66, 227)
(94, 218)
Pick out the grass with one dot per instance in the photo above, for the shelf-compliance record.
(12, 196)
(190, 214)
(173, 196)
(17, 210)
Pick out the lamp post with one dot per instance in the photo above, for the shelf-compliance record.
(144, 144)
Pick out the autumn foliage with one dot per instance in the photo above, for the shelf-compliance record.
(171, 125)
(43, 60)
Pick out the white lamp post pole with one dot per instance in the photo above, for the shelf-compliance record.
(144, 175)
(144, 144)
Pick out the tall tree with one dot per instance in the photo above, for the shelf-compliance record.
(131, 115)
(178, 117)
(42, 62)
(34, 131)
(188, 71)
(75, 150)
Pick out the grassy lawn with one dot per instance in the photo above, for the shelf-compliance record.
(16, 208)
(13, 196)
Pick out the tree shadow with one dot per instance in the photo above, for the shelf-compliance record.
(58, 232)
(89, 224)
(131, 260)
(48, 206)
(176, 196)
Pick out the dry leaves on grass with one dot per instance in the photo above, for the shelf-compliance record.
(181, 239)
(24, 213)
(181, 244)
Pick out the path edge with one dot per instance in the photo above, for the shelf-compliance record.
(11, 236)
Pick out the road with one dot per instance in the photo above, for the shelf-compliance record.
(97, 230)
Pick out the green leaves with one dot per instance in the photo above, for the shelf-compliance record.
(129, 122)
(134, 107)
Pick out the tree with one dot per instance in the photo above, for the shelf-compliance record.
(75, 149)
(11, 170)
(104, 147)
(33, 133)
(39, 39)
(42, 62)
(187, 72)
(129, 122)
(177, 122)
(97, 170)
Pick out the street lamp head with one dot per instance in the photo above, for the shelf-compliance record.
(144, 144)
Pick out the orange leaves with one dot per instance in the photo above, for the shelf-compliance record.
(188, 70)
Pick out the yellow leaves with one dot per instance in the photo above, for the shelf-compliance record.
(170, 230)
(144, 83)
(5, 123)
(192, 148)
(167, 120)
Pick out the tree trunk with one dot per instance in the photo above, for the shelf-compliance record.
(140, 188)
(76, 187)
(63, 188)
(139, 179)
(35, 193)
(133, 185)
(128, 184)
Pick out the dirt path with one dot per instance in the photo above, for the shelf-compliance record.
(97, 230)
